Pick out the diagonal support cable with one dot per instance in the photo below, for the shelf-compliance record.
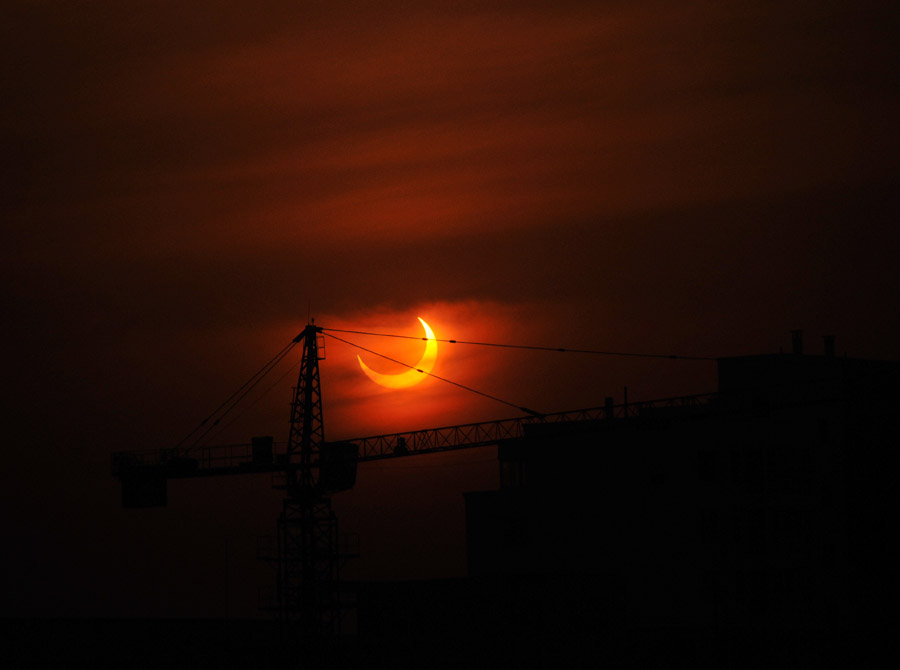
(565, 350)
(240, 394)
(431, 374)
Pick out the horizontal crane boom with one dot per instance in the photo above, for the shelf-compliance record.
(263, 455)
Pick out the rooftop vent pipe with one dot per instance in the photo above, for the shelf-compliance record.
(797, 341)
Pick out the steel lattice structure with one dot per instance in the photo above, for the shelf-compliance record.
(309, 470)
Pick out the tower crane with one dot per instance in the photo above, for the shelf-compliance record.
(309, 470)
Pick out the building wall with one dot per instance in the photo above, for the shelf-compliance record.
(766, 508)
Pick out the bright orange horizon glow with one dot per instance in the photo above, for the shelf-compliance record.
(412, 376)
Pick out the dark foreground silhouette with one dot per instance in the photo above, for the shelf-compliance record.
(747, 528)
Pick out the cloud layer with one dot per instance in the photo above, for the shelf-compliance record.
(186, 182)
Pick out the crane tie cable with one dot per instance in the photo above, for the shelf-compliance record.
(532, 347)
(243, 395)
(252, 382)
(258, 398)
(431, 374)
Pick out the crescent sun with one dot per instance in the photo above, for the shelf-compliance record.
(412, 376)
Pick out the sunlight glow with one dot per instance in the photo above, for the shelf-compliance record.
(412, 376)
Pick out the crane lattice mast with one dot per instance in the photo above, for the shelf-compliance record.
(307, 561)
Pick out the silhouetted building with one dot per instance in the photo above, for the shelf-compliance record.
(754, 518)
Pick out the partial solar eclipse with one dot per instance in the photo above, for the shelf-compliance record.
(410, 377)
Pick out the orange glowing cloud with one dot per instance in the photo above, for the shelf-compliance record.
(450, 395)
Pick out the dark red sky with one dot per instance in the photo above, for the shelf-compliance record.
(183, 185)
